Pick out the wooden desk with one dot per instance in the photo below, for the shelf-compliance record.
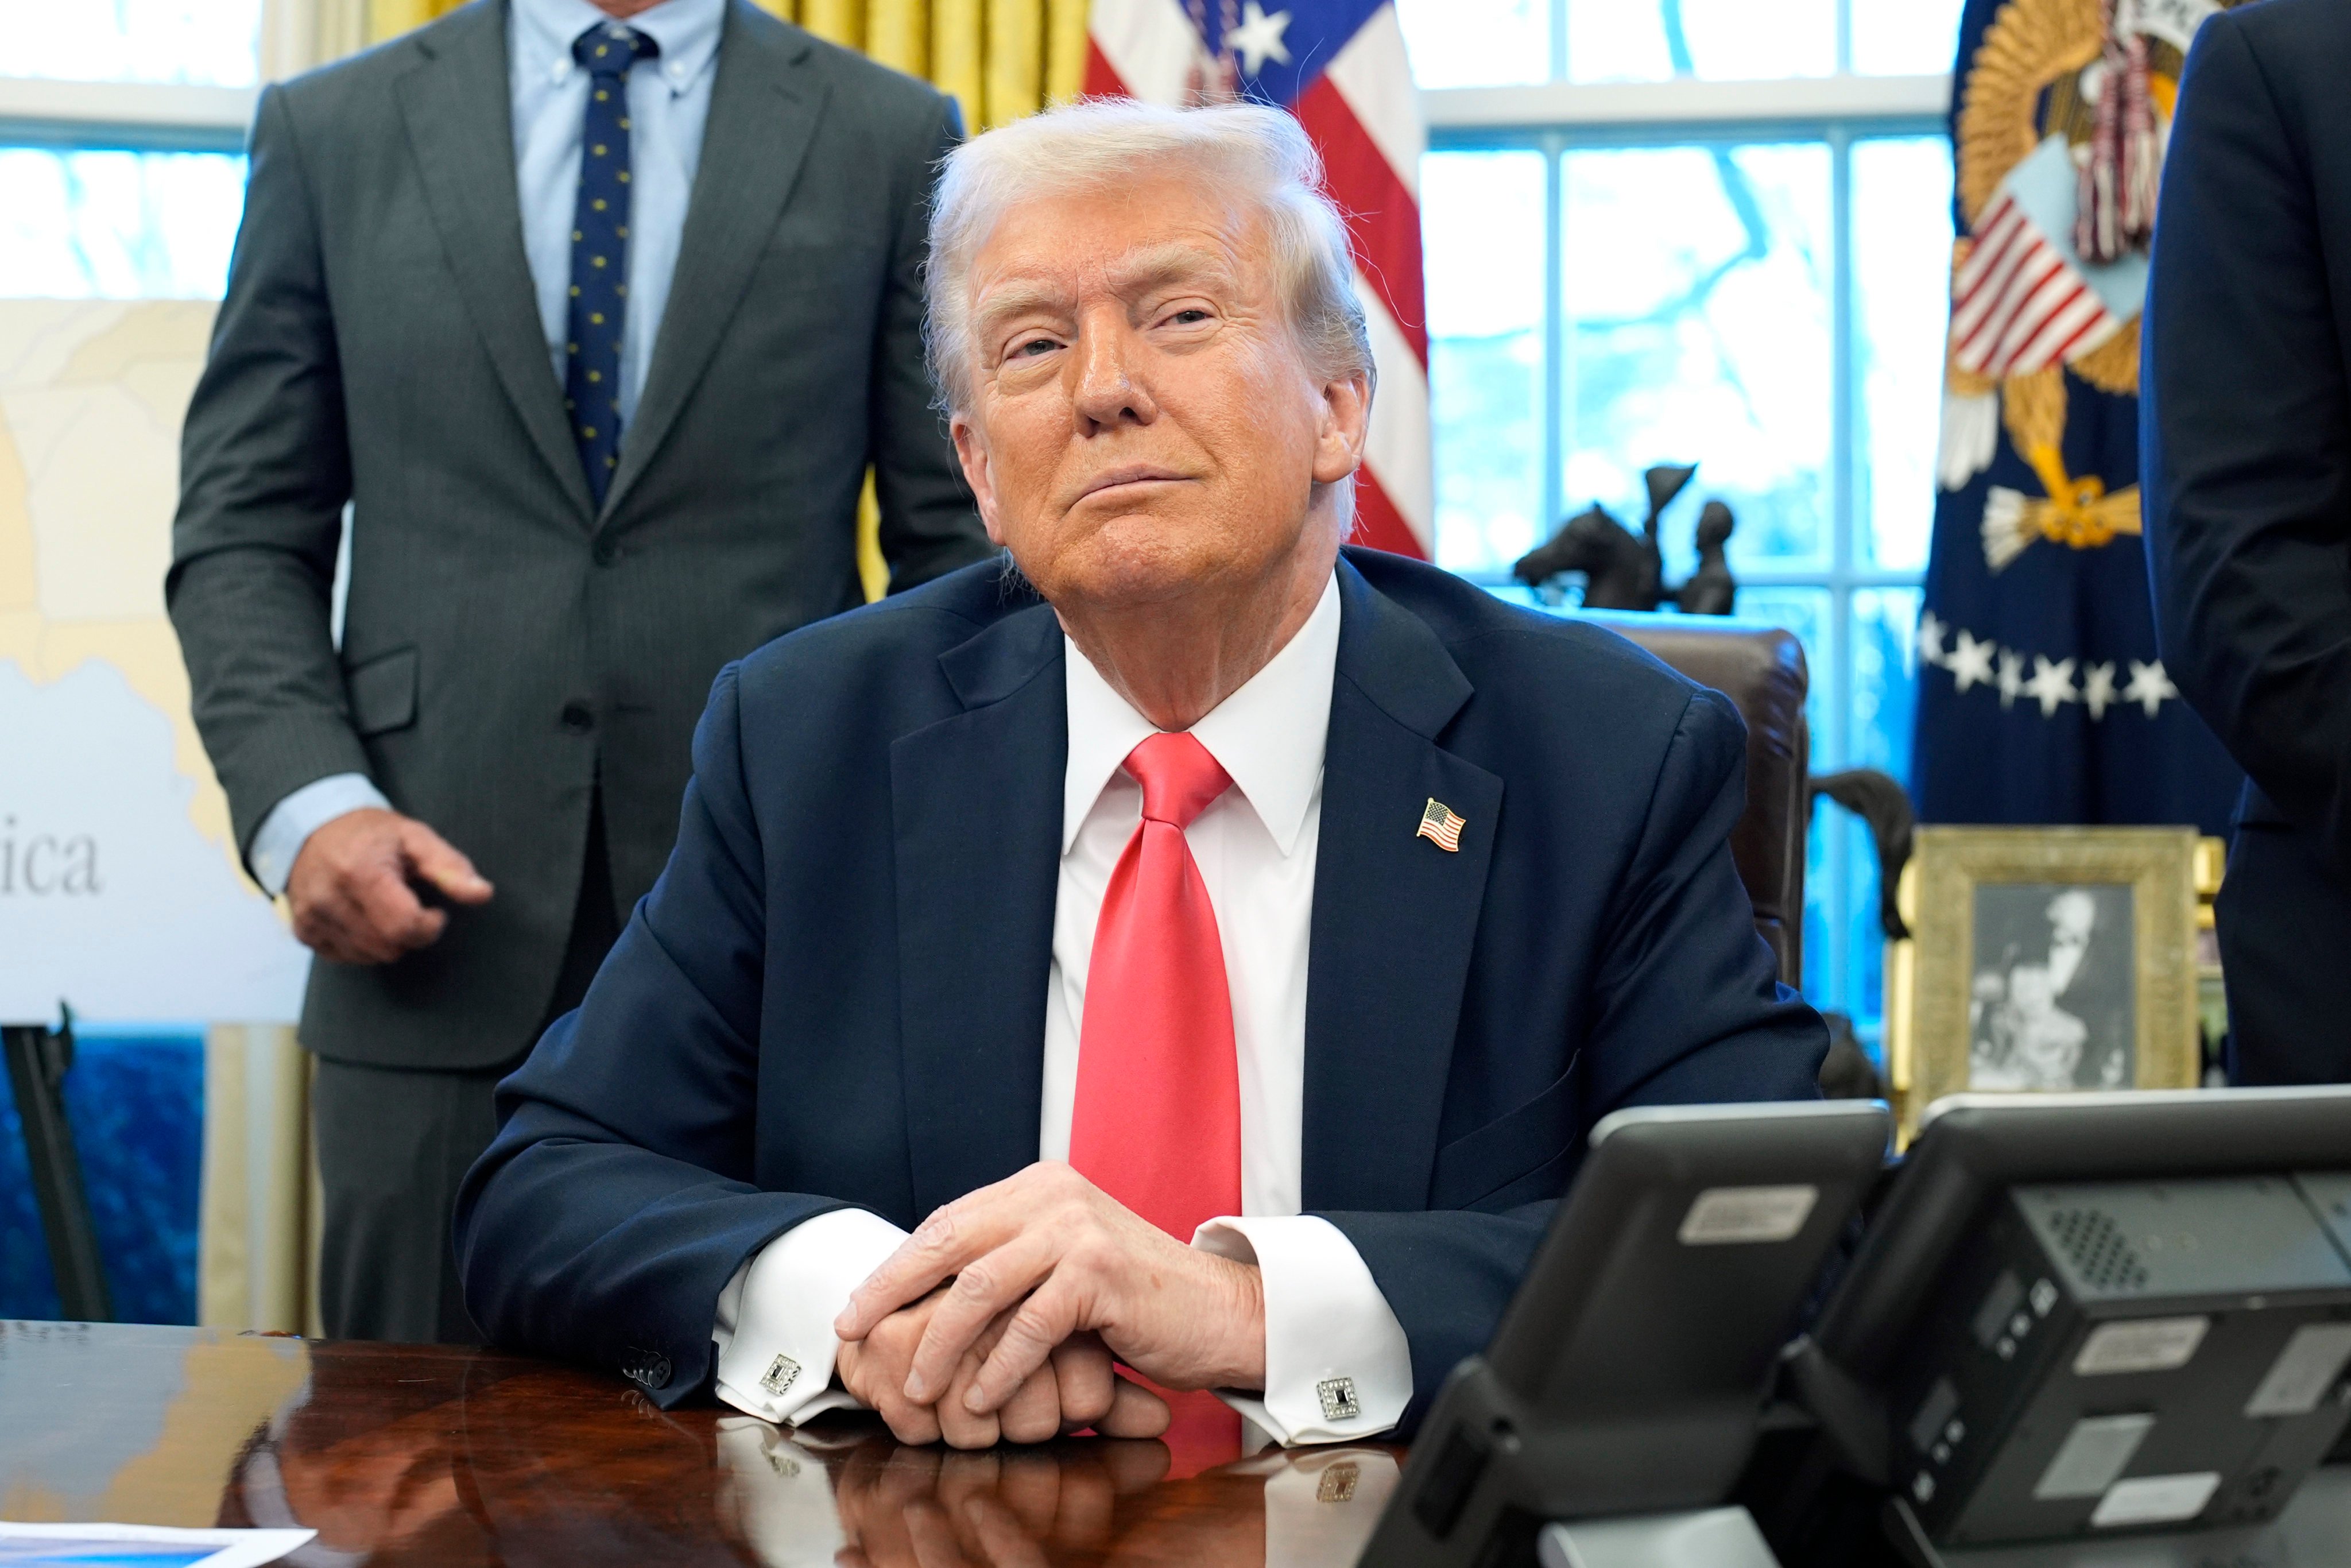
(400, 1455)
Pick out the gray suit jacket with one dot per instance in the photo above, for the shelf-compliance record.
(505, 642)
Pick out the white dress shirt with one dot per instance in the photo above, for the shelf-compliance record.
(669, 104)
(1337, 1365)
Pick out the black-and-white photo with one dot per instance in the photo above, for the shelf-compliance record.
(2051, 1003)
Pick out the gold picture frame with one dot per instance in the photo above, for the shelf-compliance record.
(2079, 973)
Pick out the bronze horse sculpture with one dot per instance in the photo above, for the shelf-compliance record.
(1625, 571)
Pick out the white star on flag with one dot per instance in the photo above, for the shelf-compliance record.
(1259, 37)
(2051, 684)
(2148, 686)
(2097, 689)
(1930, 638)
(1970, 662)
(2011, 676)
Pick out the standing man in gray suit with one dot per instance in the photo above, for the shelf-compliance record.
(596, 314)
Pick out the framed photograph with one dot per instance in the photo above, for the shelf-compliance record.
(2044, 960)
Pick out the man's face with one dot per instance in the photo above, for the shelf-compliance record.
(1141, 424)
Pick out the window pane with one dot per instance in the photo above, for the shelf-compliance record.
(1697, 300)
(1482, 238)
(1905, 37)
(117, 225)
(213, 42)
(1718, 40)
(1476, 42)
(1902, 270)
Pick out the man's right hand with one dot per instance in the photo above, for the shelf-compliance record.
(1076, 1388)
(352, 889)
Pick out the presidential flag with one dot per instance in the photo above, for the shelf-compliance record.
(2042, 697)
(1339, 66)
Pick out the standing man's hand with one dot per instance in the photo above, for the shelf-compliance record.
(353, 887)
(1057, 1257)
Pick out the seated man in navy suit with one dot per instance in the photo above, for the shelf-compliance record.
(1214, 942)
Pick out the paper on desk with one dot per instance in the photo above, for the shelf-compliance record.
(142, 1546)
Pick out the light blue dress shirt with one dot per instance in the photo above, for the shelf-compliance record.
(669, 104)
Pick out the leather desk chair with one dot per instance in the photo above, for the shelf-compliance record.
(1761, 670)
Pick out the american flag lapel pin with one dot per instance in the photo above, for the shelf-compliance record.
(1441, 826)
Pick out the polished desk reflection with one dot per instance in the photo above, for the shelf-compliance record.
(400, 1455)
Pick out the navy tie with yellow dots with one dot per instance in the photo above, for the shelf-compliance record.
(600, 250)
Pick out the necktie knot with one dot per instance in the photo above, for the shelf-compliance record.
(608, 49)
(1179, 779)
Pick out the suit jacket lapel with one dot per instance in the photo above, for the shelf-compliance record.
(1394, 915)
(976, 802)
(763, 107)
(460, 112)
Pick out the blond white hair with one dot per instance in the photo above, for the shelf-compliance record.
(1246, 151)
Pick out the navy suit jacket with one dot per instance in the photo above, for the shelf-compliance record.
(2245, 422)
(2245, 453)
(835, 994)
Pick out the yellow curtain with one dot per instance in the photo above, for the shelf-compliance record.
(1000, 58)
(390, 18)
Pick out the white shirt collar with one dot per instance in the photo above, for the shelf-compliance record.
(1269, 736)
(686, 30)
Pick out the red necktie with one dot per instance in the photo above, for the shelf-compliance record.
(1157, 1118)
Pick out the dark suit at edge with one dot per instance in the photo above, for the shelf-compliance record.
(2246, 464)
(835, 994)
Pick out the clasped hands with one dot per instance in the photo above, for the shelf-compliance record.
(1000, 1317)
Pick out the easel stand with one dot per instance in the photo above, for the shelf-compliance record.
(37, 1063)
(2314, 1530)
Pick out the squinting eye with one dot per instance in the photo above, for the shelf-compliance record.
(1035, 346)
(1186, 317)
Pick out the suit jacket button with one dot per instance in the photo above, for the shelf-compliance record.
(605, 553)
(577, 719)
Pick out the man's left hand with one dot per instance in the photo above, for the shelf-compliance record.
(1180, 1316)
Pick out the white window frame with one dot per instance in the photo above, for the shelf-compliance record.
(174, 117)
(145, 117)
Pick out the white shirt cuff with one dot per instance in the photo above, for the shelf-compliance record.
(774, 1334)
(293, 819)
(1338, 1367)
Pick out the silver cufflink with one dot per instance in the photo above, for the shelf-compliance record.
(783, 1372)
(1338, 1397)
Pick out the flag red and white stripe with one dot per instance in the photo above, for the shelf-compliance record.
(1363, 115)
(2018, 304)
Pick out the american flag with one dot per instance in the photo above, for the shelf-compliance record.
(2018, 304)
(1441, 826)
(1339, 66)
